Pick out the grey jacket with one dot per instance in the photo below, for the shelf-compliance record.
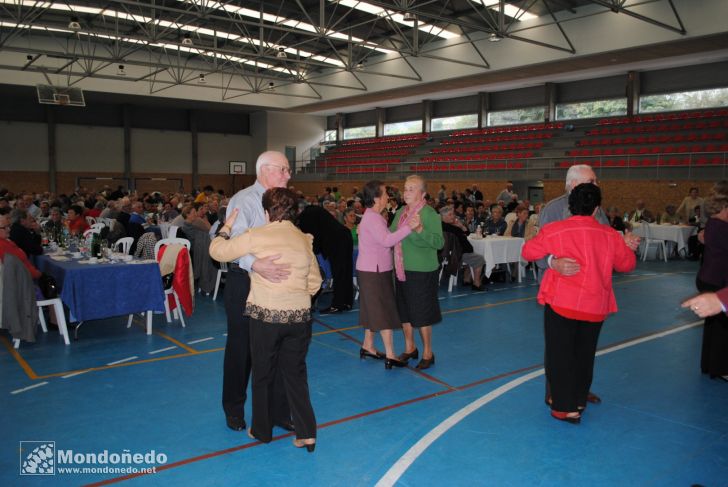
(19, 310)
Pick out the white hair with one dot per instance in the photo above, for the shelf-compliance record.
(266, 158)
(574, 174)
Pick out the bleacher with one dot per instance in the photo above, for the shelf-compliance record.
(678, 139)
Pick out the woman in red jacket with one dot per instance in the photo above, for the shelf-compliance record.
(577, 305)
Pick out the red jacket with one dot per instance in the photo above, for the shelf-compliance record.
(597, 248)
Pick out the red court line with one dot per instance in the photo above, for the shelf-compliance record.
(321, 426)
(417, 371)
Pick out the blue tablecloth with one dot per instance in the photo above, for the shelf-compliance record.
(95, 291)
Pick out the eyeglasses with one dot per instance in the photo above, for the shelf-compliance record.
(282, 169)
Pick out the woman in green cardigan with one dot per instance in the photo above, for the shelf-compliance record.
(416, 266)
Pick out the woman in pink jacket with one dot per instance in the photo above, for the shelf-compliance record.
(377, 308)
(576, 306)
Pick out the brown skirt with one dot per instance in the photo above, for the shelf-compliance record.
(377, 307)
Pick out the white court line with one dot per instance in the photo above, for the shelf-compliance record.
(200, 340)
(162, 350)
(400, 466)
(18, 391)
(123, 360)
(75, 374)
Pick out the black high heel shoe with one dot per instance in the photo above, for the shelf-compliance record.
(302, 443)
(426, 363)
(366, 353)
(393, 362)
(404, 356)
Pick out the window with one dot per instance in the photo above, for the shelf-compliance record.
(519, 115)
(359, 132)
(330, 136)
(686, 100)
(456, 122)
(591, 109)
(399, 128)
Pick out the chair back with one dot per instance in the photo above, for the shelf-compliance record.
(123, 243)
(646, 230)
(511, 217)
(90, 220)
(98, 226)
(90, 231)
(172, 231)
(170, 241)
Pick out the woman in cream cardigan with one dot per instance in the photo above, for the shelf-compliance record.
(280, 312)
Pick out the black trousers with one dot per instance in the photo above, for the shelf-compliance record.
(342, 270)
(570, 348)
(237, 365)
(280, 349)
(714, 350)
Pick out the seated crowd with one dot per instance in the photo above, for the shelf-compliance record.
(197, 217)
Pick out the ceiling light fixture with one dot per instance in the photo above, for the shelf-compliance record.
(281, 54)
(359, 66)
(74, 24)
(409, 17)
(495, 37)
(201, 79)
(120, 71)
(187, 40)
(271, 86)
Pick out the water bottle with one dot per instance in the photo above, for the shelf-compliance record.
(479, 231)
(626, 216)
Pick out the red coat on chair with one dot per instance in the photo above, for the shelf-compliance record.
(183, 282)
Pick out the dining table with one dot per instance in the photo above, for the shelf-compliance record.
(497, 249)
(95, 289)
(672, 233)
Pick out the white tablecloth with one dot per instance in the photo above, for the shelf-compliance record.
(498, 250)
(674, 233)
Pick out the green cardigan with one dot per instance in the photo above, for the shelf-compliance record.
(420, 249)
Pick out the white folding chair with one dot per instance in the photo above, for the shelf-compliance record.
(90, 220)
(172, 231)
(57, 307)
(124, 243)
(90, 231)
(222, 270)
(98, 226)
(648, 239)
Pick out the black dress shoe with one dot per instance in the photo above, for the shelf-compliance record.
(366, 353)
(478, 288)
(404, 356)
(335, 309)
(235, 423)
(593, 398)
(393, 362)
(426, 363)
(286, 425)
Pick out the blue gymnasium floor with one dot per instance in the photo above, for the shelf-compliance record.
(476, 418)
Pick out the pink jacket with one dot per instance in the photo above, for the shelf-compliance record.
(597, 248)
(376, 242)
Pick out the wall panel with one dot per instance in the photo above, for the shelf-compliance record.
(24, 146)
(88, 148)
(161, 151)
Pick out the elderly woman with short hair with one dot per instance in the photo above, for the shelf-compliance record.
(416, 266)
(377, 307)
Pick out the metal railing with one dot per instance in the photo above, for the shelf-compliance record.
(697, 165)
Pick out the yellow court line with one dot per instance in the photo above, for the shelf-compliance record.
(192, 352)
(176, 342)
(26, 367)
